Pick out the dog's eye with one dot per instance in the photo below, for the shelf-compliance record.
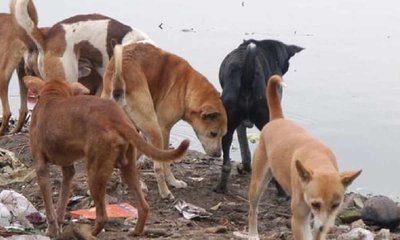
(316, 205)
(334, 206)
(213, 134)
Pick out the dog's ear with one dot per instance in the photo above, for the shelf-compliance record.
(348, 177)
(79, 89)
(34, 83)
(84, 68)
(293, 49)
(304, 173)
(209, 113)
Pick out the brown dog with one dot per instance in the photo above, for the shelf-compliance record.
(66, 128)
(303, 166)
(157, 89)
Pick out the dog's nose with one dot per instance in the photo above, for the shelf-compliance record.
(321, 228)
(216, 154)
(118, 94)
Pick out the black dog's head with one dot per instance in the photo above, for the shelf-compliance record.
(277, 54)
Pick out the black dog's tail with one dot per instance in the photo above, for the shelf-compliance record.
(249, 66)
(274, 100)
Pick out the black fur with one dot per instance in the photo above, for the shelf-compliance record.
(243, 76)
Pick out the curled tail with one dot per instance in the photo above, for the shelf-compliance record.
(118, 82)
(25, 15)
(153, 152)
(273, 97)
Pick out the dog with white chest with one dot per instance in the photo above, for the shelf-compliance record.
(303, 166)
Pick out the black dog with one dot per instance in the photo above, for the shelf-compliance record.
(243, 76)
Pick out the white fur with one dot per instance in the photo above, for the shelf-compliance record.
(23, 19)
(22, 15)
(136, 36)
(93, 31)
(307, 233)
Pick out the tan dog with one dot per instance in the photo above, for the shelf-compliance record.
(157, 89)
(66, 128)
(303, 166)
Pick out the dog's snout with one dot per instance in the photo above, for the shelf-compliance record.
(216, 154)
(321, 228)
(118, 94)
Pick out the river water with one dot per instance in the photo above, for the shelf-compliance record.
(344, 87)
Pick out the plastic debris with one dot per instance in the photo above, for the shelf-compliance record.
(21, 212)
(357, 234)
(190, 211)
(120, 210)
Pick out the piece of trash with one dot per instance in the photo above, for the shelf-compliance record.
(240, 235)
(28, 237)
(357, 233)
(21, 210)
(253, 137)
(197, 179)
(190, 211)
(216, 207)
(120, 210)
(12, 169)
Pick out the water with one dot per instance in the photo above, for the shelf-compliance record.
(343, 88)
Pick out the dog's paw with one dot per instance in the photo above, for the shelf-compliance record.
(243, 168)
(220, 188)
(168, 196)
(179, 184)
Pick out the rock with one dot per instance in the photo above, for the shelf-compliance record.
(357, 234)
(358, 224)
(381, 211)
(383, 234)
(349, 215)
(217, 229)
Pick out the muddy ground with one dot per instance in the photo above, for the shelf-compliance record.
(165, 222)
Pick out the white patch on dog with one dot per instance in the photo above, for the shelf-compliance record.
(23, 19)
(93, 31)
(136, 36)
(22, 15)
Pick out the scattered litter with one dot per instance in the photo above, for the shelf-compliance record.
(190, 211)
(120, 210)
(253, 137)
(356, 234)
(216, 207)
(27, 237)
(197, 179)
(21, 212)
(240, 235)
(12, 170)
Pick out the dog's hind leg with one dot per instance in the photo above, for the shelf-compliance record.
(23, 91)
(244, 149)
(130, 176)
(43, 178)
(99, 169)
(260, 177)
(68, 173)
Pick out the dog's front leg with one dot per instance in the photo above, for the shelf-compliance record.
(301, 227)
(43, 177)
(226, 165)
(68, 173)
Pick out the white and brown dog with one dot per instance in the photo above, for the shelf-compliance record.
(157, 89)
(91, 37)
(303, 166)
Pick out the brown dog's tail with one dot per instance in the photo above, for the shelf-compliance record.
(25, 15)
(273, 97)
(153, 152)
(118, 83)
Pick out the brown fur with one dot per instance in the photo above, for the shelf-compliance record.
(66, 128)
(303, 166)
(14, 44)
(157, 89)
